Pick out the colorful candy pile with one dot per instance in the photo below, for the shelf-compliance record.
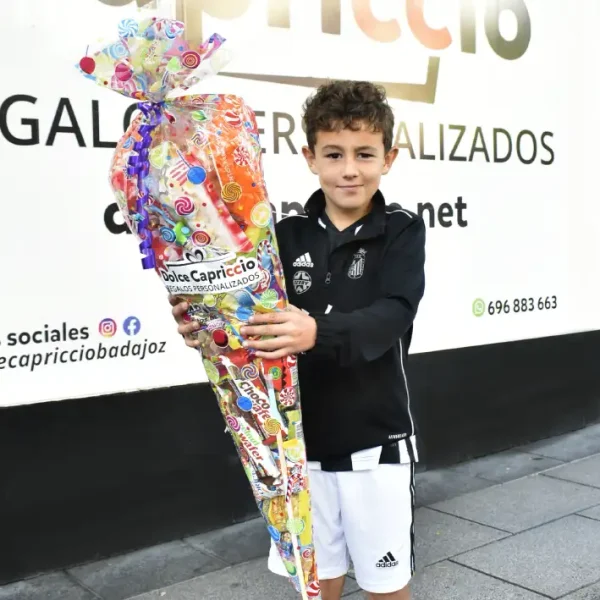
(188, 179)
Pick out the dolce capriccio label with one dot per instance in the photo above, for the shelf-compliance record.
(198, 275)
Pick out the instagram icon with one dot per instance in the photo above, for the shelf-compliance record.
(107, 327)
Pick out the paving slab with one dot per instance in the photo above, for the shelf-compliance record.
(449, 581)
(123, 576)
(236, 544)
(586, 471)
(443, 484)
(592, 513)
(522, 504)
(506, 466)
(440, 536)
(247, 581)
(571, 446)
(554, 559)
(591, 592)
(55, 586)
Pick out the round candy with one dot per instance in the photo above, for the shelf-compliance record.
(233, 423)
(128, 28)
(190, 59)
(220, 338)
(123, 72)
(87, 65)
(233, 118)
(209, 300)
(243, 313)
(244, 403)
(287, 397)
(295, 526)
(197, 175)
(184, 206)
(294, 454)
(200, 238)
(231, 192)
(249, 371)
(167, 234)
(272, 426)
(118, 50)
(269, 299)
(261, 214)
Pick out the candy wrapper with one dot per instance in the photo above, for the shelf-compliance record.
(188, 179)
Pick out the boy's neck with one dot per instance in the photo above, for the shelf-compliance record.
(342, 219)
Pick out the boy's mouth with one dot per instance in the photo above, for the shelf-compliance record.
(349, 187)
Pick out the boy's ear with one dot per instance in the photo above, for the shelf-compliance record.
(390, 158)
(309, 155)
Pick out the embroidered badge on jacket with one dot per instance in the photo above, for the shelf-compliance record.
(357, 268)
(302, 282)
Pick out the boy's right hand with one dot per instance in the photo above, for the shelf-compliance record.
(185, 328)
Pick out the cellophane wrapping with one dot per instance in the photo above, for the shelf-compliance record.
(188, 179)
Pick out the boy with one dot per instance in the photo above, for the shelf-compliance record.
(356, 268)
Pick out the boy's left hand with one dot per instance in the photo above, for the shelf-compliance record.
(294, 332)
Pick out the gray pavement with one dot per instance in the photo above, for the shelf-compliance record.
(519, 525)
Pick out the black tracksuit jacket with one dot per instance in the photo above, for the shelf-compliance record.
(364, 295)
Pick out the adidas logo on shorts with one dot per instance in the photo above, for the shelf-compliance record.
(304, 261)
(387, 561)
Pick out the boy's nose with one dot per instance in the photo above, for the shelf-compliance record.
(350, 169)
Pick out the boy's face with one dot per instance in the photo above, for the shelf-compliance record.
(349, 165)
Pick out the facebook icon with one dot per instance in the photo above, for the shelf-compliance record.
(132, 326)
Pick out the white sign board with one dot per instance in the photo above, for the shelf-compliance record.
(497, 119)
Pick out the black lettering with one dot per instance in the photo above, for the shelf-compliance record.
(49, 356)
(522, 134)
(162, 347)
(260, 113)
(127, 118)
(63, 357)
(113, 352)
(125, 349)
(461, 129)
(73, 356)
(137, 348)
(12, 362)
(546, 147)
(460, 206)
(153, 348)
(24, 360)
(102, 351)
(2, 361)
(497, 158)
(65, 104)
(476, 148)
(422, 154)
(109, 220)
(445, 212)
(283, 134)
(91, 356)
(55, 336)
(427, 206)
(24, 338)
(96, 128)
(73, 334)
(402, 128)
(34, 125)
(12, 339)
(36, 362)
(37, 337)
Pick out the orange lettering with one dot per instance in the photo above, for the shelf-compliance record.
(434, 39)
(382, 31)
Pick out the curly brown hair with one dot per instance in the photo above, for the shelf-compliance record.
(341, 105)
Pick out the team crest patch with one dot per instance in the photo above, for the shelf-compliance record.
(302, 282)
(357, 268)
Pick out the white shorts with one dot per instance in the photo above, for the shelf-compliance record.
(366, 516)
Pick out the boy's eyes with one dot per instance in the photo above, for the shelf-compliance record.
(336, 155)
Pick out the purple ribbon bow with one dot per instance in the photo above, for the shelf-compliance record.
(140, 165)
